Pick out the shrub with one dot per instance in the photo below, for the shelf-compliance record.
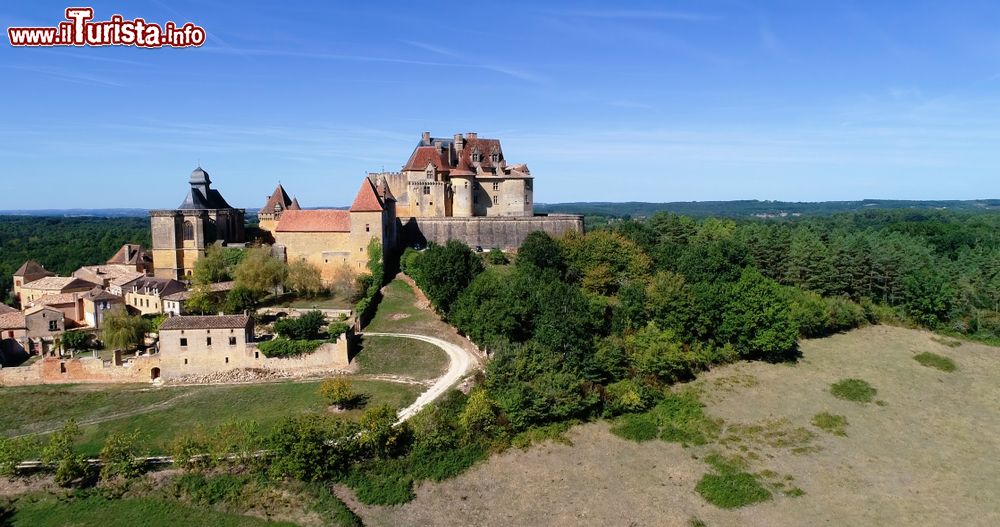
(682, 419)
(76, 340)
(834, 424)
(933, 360)
(660, 353)
(336, 329)
(338, 391)
(497, 257)
(305, 327)
(853, 390)
(280, 347)
(59, 451)
(480, 417)
(379, 434)
(312, 447)
(211, 490)
(120, 456)
(627, 396)
(14, 451)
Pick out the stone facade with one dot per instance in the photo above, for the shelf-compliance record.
(463, 176)
(147, 294)
(334, 240)
(203, 218)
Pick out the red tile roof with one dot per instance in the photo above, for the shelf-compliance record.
(367, 199)
(315, 221)
(32, 267)
(279, 197)
(423, 155)
(13, 320)
(209, 322)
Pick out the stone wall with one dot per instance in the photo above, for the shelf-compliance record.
(488, 232)
(141, 369)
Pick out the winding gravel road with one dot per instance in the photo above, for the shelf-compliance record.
(461, 362)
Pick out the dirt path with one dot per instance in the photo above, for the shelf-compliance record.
(115, 416)
(461, 363)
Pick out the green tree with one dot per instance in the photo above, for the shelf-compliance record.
(540, 251)
(810, 264)
(60, 451)
(240, 299)
(379, 433)
(312, 447)
(757, 319)
(260, 272)
(304, 278)
(305, 327)
(211, 268)
(659, 353)
(603, 260)
(121, 331)
(338, 391)
(446, 270)
(480, 419)
(76, 340)
(120, 456)
(669, 302)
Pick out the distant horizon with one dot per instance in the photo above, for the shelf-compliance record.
(696, 101)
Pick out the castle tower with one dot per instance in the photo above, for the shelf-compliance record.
(279, 202)
(203, 218)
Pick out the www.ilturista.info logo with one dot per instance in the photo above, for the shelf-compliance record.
(78, 30)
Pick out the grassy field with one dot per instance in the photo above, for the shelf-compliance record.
(97, 512)
(170, 412)
(927, 455)
(399, 313)
(399, 356)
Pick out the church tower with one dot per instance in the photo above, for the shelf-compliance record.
(203, 218)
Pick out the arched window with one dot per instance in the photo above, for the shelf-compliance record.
(188, 231)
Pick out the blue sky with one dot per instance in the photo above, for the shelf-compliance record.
(605, 101)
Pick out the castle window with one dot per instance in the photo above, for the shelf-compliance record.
(53, 325)
(232, 341)
(188, 231)
(527, 185)
(208, 341)
(430, 173)
(427, 190)
(368, 227)
(496, 200)
(495, 157)
(496, 185)
(477, 157)
(184, 343)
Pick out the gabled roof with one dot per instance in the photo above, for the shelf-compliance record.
(323, 220)
(209, 322)
(130, 254)
(156, 286)
(278, 198)
(427, 155)
(367, 199)
(59, 283)
(59, 299)
(13, 320)
(4, 309)
(99, 294)
(42, 307)
(295, 204)
(32, 268)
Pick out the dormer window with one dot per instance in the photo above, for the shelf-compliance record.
(430, 173)
(495, 158)
(477, 157)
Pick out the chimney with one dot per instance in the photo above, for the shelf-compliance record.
(473, 135)
(459, 142)
(426, 138)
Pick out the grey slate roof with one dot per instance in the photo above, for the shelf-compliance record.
(202, 196)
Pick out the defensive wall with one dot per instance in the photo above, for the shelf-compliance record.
(487, 232)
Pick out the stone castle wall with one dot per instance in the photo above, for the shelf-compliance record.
(487, 232)
(329, 356)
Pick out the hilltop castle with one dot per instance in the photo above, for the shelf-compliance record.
(456, 188)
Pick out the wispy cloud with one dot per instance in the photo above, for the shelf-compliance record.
(69, 76)
(517, 73)
(635, 14)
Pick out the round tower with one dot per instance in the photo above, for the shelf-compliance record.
(463, 188)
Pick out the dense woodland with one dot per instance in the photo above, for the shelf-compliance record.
(63, 245)
(597, 324)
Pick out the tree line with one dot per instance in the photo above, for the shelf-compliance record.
(598, 324)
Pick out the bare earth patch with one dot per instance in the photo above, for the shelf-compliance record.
(928, 457)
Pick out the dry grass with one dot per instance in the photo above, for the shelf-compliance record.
(927, 458)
